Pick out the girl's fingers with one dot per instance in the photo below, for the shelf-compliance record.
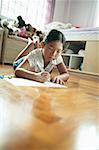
(58, 81)
(45, 74)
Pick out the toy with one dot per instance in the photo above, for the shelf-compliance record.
(21, 22)
(5, 24)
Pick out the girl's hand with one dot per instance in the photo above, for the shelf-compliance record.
(57, 80)
(46, 75)
(43, 76)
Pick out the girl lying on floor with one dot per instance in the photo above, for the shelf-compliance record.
(37, 64)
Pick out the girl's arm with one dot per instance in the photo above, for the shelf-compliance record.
(24, 71)
(25, 51)
(64, 75)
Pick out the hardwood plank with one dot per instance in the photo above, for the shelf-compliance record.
(49, 119)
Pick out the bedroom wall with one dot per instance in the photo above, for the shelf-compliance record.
(77, 12)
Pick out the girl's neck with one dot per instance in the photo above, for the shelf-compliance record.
(45, 61)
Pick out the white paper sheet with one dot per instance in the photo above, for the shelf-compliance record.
(25, 82)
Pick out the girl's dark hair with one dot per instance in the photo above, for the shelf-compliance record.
(54, 35)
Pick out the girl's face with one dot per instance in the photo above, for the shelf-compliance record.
(52, 50)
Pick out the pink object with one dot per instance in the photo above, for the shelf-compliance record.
(22, 32)
(77, 26)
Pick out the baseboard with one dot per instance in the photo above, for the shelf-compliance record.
(84, 74)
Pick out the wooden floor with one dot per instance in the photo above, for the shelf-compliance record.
(6, 69)
(48, 118)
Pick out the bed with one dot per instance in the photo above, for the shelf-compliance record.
(72, 33)
(91, 58)
(81, 34)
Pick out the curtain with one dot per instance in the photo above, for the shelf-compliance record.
(35, 12)
(50, 8)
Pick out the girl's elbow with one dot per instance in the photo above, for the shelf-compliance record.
(17, 73)
(67, 76)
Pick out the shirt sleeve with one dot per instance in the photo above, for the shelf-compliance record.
(31, 58)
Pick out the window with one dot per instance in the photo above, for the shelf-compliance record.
(32, 11)
(12, 8)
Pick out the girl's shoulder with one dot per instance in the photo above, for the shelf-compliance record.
(34, 55)
(37, 51)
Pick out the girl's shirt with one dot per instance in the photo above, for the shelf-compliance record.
(36, 61)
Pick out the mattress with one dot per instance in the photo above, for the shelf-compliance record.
(81, 35)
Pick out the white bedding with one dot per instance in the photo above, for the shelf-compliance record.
(88, 33)
(81, 35)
